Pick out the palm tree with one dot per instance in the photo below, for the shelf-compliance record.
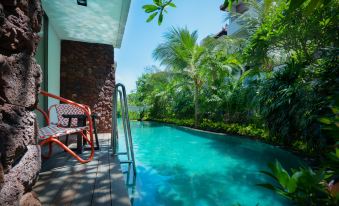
(181, 53)
(222, 56)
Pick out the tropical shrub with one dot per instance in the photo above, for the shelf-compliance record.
(306, 186)
(294, 98)
(235, 129)
(303, 186)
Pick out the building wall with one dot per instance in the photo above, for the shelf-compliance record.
(20, 79)
(244, 12)
(39, 56)
(54, 56)
(88, 77)
(53, 67)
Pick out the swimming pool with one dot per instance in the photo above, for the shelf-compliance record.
(179, 166)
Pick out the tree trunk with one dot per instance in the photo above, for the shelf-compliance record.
(196, 104)
(20, 78)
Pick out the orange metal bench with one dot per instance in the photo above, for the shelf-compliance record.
(51, 133)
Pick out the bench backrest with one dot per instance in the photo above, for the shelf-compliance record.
(62, 109)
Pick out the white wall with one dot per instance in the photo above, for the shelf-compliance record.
(54, 51)
(235, 24)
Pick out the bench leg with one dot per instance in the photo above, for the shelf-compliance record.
(51, 140)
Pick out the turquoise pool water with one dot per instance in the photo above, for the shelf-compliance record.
(177, 166)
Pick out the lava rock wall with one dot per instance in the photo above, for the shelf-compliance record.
(20, 79)
(88, 77)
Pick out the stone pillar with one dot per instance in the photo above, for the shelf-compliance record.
(87, 77)
(20, 78)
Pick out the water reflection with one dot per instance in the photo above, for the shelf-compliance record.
(184, 167)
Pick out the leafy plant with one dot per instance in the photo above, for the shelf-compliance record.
(159, 7)
(295, 96)
(303, 186)
(236, 129)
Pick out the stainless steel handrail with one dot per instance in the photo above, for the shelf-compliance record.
(126, 126)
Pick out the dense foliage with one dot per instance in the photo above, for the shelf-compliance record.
(282, 76)
(249, 130)
(159, 7)
(303, 186)
(277, 79)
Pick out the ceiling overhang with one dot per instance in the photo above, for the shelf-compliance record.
(101, 21)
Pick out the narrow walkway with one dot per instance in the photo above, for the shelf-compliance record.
(64, 181)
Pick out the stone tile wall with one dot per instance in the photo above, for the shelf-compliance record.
(20, 79)
(88, 77)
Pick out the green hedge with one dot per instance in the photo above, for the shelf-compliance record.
(235, 129)
(249, 130)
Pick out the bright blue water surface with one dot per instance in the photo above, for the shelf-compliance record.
(178, 166)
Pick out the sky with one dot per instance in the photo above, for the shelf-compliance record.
(141, 38)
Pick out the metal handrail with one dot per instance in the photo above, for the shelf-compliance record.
(126, 125)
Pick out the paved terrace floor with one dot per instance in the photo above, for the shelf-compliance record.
(64, 181)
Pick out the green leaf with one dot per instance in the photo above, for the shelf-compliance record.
(335, 110)
(296, 3)
(172, 5)
(151, 17)
(161, 16)
(158, 2)
(230, 4)
(281, 174)
(150, 8)
(292, 184)
(313, 4)
(325, 120)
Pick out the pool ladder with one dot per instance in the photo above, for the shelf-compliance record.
(127, 129)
